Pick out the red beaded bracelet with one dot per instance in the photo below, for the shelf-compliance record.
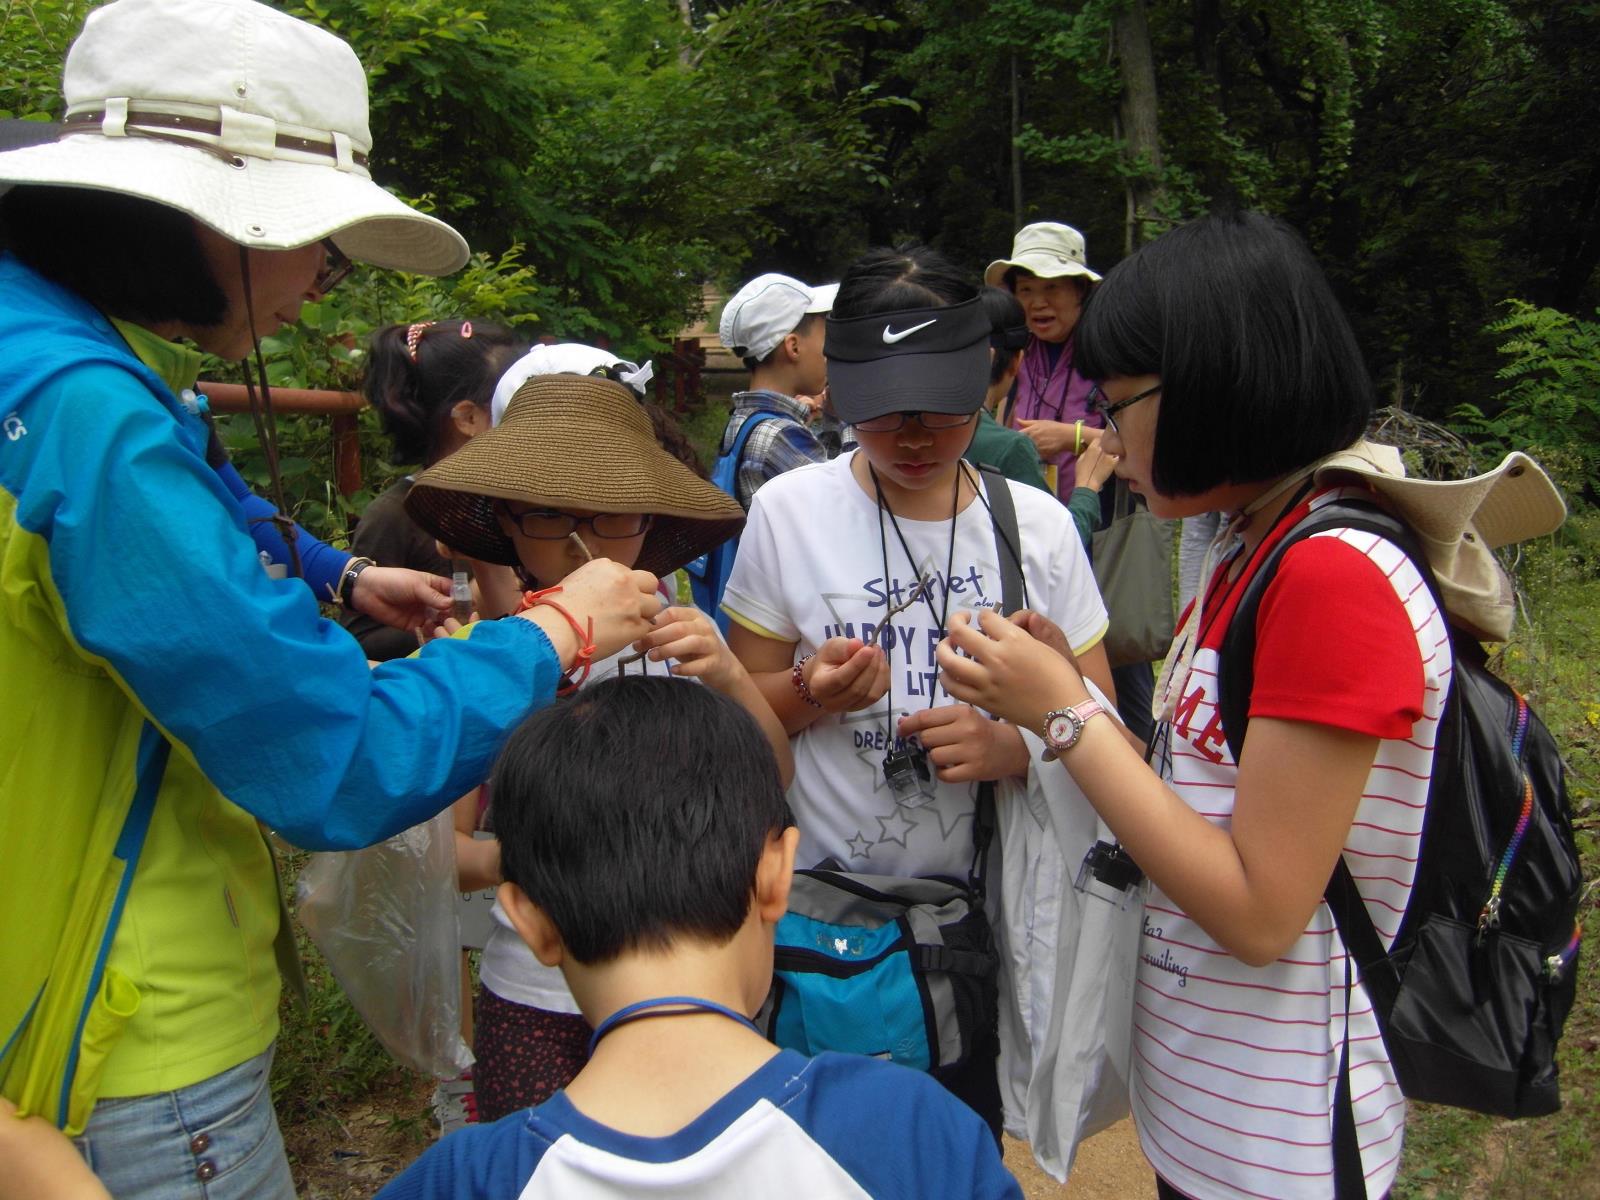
(586, 646)
(798, 675)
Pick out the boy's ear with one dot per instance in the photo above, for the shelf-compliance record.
(533, 925)
(774, 874)
(791, 347)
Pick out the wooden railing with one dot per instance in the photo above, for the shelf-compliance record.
(342, 409)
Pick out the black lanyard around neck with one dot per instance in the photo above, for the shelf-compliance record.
(926, 586)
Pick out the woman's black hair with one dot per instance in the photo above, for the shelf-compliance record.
(892, 280)
(1009, 325)
(1260, 371)
(630, 851)
(131, 258)
(414, 396)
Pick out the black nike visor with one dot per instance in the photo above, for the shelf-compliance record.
(913, 360)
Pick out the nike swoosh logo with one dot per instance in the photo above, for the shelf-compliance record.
(890, 337)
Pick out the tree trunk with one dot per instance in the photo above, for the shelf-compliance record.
(1140, 129)
(1016, 154)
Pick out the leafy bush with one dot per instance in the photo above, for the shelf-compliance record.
(1552, 403)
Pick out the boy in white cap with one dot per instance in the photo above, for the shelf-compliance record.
(775, 323)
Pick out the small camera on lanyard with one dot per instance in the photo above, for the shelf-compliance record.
(1110, 873)
(906, 771)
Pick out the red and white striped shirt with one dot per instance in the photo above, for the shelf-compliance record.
(1235, 1066)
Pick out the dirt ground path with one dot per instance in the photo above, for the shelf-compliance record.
(1109, 1166)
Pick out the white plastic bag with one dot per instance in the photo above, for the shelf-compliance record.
(385, 919)
(1067, 981)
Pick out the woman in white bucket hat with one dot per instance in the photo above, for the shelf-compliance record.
(163, 695)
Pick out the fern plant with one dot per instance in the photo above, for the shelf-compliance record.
(1552, 399)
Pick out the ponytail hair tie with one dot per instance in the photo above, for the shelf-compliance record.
(414, 335)
(466, 329)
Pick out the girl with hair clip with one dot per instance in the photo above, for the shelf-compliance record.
(431, 384)
(849, 573)
(577, 467)
(1228, 374)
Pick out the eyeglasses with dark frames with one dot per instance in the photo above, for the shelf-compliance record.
(1098, 402)
(891, 422)
(549, 525)
(335, 269)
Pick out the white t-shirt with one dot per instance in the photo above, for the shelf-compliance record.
(508, 968)
(811, 566)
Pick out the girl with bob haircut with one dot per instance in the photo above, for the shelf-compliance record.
(1227, 371)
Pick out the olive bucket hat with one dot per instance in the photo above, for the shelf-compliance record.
(573, 442)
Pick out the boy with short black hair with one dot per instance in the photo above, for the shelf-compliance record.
(775, 324)
(647, 850)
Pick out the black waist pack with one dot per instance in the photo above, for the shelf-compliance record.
(1473, 993)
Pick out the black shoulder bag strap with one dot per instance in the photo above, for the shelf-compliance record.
(1013, 592)
(1235, 680)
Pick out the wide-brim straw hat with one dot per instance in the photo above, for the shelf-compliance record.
(573, 442)
(1047, 249)
(1459, 522)
(249, 120)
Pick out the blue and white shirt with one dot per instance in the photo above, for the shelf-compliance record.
(832, 1126)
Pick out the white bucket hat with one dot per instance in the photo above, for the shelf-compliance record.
(1047, 249)
(247, 119)
(1458, 522)
(767, 309)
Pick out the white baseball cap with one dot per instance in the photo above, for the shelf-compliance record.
(767, 309)
(563, 358)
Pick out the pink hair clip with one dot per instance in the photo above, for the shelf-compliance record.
(466, 329)
(414, 335)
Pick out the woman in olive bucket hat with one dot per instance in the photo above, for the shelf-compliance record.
(163, 695)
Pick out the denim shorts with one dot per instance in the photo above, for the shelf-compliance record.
(213, 1140)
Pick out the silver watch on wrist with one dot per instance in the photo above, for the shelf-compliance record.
(1064, 726)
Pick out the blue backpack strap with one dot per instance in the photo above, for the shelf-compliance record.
(708, 574)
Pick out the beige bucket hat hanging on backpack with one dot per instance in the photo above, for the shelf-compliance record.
(1460, 522)
(247, 119)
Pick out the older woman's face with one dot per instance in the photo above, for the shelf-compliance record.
(1052, 305)
(280, 282)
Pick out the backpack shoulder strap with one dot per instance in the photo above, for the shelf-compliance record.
(735, 454)
(1013, 596)
(1236, 668)
(1007, 540)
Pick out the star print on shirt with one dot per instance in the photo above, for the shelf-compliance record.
(859, 846)
(895, 827)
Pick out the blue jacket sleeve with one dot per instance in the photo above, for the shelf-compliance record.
(321, 563)
(160, 582)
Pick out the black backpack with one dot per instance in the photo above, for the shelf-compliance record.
(1472, 996)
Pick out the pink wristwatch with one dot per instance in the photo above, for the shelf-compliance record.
(1064, 726)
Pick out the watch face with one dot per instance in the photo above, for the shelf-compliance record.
(1061, 730)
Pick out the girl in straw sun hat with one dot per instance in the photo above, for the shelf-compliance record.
(1230, 381)
(576, 468)
(164, 698)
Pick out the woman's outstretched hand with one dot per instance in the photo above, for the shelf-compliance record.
(622, 603)
(996, 665)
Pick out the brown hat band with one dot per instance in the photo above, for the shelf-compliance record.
(155, 124)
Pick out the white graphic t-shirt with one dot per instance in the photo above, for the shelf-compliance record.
(813, 564)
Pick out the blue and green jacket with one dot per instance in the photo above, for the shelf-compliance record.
(160, 696)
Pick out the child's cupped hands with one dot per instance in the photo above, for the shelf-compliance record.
(966, 746)
(995, 664)
(846, 674)
(690, 638)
